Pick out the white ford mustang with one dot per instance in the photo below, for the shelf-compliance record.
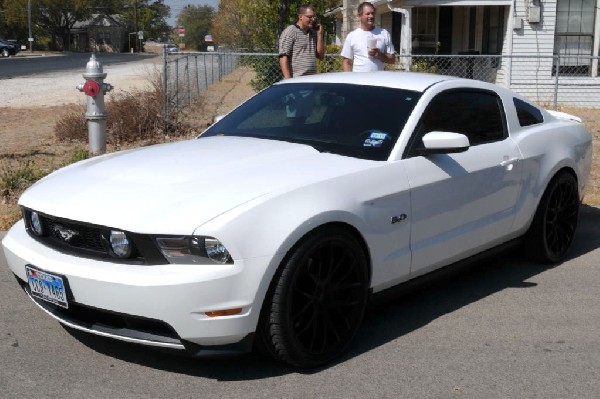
(275, 226)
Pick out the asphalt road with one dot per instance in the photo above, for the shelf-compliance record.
(503, 328)
(25, 65)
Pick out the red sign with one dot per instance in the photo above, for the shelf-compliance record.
(181, 31)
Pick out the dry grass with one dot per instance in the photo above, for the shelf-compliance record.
(591, 118)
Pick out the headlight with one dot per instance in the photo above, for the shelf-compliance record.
(216, 251)
(36, 223)
(194, 249)
(119, 244)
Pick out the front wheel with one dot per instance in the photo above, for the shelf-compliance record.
(553, 227)
(5, 53)
(317, 301)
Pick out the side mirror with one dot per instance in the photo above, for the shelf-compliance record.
(444, 143)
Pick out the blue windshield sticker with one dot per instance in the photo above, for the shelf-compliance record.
(376, 139)
(378, 135)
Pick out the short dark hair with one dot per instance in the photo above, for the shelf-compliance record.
(304, 7)
(364, 4)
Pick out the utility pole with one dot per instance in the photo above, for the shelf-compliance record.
(30, 38)
(135, 23)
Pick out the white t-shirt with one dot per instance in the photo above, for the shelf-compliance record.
(356, 48)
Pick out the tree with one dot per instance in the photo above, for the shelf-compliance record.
(56, 17)
(256, 25)
(145, 15)
(13, 19)
(245, 24)
(197, 21)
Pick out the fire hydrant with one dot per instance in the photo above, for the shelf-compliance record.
(95, 88)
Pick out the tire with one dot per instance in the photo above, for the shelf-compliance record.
(553, 228)
(5, 53)
(317, 300)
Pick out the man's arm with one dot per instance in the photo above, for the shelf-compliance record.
(320, 50)
(284, 64)
(347, 64)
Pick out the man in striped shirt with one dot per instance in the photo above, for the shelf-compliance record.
(300, 43)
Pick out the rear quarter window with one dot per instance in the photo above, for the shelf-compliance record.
(528, 114)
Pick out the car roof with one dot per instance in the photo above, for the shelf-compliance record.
(413, 81)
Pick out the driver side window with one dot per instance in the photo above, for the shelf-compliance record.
(475, 113)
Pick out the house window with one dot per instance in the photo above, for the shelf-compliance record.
(493, 30)
(424, 30)
(574, 35)
(103, 38)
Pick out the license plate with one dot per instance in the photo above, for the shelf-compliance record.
(47, 286)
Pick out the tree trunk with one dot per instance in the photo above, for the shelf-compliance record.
(66, 38)
(284, 12)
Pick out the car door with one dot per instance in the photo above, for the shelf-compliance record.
(462, 202)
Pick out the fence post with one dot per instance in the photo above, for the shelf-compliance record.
(220, 65)
(197, 76)
(557, 72)
(165, 85)
(187, 79)
(177, 83)
(205, 72)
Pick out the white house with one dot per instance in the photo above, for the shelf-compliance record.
(532, 39)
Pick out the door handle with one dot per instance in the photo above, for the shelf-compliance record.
(511, 161)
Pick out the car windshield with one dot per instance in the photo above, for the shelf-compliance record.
(351, 120)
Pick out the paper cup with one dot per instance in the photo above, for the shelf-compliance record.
(372, 43)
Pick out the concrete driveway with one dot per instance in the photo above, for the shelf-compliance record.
(503, 328)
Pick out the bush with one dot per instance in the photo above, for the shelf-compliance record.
(427, 65)
(332, 61)
(266, 68)
(131, 116)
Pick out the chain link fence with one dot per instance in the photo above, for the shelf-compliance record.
(550, 81)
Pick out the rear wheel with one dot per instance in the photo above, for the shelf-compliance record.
(553, 227)
(317, 301)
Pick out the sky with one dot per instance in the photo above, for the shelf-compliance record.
(178, 5)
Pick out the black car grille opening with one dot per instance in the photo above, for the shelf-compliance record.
(87, 238)
(117, 324)
(91, 241)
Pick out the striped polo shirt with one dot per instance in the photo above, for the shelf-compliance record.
(301, 48)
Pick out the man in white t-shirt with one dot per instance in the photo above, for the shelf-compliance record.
(368, 47)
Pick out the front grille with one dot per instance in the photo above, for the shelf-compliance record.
(91, 241)
(87, 238)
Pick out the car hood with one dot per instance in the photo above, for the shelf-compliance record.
(174, 188)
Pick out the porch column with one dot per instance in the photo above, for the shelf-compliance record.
(596, 41)
(405, 35)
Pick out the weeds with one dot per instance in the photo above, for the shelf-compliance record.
(13, 179)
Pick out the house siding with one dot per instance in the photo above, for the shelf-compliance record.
(527, 53)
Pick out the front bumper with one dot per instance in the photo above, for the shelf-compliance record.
(163, 305)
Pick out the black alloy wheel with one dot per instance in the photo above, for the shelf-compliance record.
(317, 301)
(553, 228)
